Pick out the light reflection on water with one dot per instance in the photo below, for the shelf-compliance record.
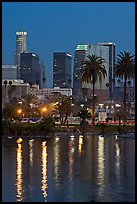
(70, 168)
(44, 169)
(100, 169)
(19, 173)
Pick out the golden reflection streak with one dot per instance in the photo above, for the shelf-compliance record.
(100, 177)
(31, 152)
(80, 143)
(117, 163)
(19, 173)
(56, 158)
(71, 151)
(44, 169)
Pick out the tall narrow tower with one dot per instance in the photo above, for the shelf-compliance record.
(111, 47)
(21, 47)
(62, 70)
(81, 53)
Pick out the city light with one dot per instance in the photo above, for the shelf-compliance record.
(19, 111)
(44, 109)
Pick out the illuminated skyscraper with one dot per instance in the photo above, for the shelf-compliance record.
(29, 68)
(62, 70)
(82, 51)
(111, 62)
(21, 46)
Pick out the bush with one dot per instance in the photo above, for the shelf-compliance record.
(47, 125)
(7, 127)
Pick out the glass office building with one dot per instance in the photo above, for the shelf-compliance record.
(80, 54)
(62, 70)
(21, 46)
(111, 62)
(29, 68)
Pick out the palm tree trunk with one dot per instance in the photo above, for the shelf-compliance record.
(93, 104)
(125, 107)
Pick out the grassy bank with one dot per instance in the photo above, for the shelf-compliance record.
(20, 129)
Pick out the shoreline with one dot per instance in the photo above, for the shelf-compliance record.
(129, 135)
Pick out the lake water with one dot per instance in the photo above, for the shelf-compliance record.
(67, 168)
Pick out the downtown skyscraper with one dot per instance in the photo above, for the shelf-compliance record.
(111, 62)
(81, 52)
(62, 70)
(21, 46)
(103, 87)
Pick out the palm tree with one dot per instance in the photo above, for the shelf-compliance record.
(113, 81)
(92, 69)
(107, 86)
(5, 83)
(9, 92)
(43, 81)
(119, 83)
(64, 108)
(84, 114)
(28, 100)
(84, 92)
(129, 83)
(125, 69)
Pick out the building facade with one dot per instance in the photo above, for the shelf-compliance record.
(82, 51)
(9, 72)
(29, 68)
(62, 70)
(18, 87)
(111, 63)
(57, 91)
(21, 46)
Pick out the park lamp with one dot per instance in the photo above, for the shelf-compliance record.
(118, 105)
(82, 105)
(31, 104)
(44, 109)
(19, 111)
(101, 105)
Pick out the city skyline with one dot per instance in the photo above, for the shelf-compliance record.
(51, 28)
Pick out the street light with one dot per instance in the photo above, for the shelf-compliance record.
(19, 111)
(44, 110)
(82, 105)
(31, 104)
(101, 105)
(118, 105)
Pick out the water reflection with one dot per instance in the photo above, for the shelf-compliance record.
(56, 159)
(71, 152)
(31, 152)
(117, 163)
(19, 194)
(100, 176)
(44, 169)
(69, 169)
(80, 143)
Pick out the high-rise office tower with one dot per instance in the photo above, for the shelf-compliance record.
(29, 68)
(21, 46)
(82, 51)
(62, 70)
(110, 63)
(103, 52)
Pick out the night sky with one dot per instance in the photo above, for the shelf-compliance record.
(59, 27)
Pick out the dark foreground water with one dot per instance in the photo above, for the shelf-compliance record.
(67, 168)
